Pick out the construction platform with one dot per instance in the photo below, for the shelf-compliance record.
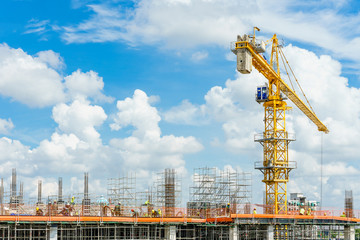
(236, 226)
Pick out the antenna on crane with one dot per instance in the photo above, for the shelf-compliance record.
(258, 29)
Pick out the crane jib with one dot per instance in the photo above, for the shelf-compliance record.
(264, 68)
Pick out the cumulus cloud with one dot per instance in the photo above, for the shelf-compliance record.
(41, 80)
(138, 112)
(80, 118)
(15, 154)
(76, 145)
(51, 58)
(185, 113)
(86, 85)
(146, 148)
(40, 85)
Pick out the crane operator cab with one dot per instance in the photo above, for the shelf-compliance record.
(262, 93)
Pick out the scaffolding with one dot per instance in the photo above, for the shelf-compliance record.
(349, 204)
(168, 192)
(146, 200)
(122, 190)
(228, 191)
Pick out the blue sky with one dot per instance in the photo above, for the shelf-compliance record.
(115, 86)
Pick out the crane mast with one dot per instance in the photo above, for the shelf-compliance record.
(275, 138)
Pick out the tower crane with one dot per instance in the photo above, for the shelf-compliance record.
(275, 139)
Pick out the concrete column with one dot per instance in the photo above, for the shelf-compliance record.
(170, 232)
(349, 233)
(53, 233)
(234, 232)
(270, 232)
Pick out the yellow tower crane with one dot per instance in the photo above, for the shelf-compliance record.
(275, 139)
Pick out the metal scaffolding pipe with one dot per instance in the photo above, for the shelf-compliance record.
(21, 192)
(60, 196)
(13, 183)
(86, 185)
(39, 190)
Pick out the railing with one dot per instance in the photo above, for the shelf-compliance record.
(260, 137)
(290, 164)
(184, 213)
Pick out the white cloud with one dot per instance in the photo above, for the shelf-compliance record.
(233, 105)
(6, 126)
(80, 118)
(230, 57)
(15, 154)
(51, 58)
(41, 82)
(40, 85)
(138, 112)
(146, 148)
(36, 26)
(83, 85)
(192, 23)
(185, 113)
(199, 56)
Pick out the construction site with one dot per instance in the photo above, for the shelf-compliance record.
(219, 205)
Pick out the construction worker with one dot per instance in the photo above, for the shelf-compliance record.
(39, 212)
(308, 212)
(135, 213)
(149, 207)
(227, 210)
(54, 208)
(67, 209)
(72, 200)
(159, 212)
(254, 211)
(343, 214)
(118, 209)
(302, 211)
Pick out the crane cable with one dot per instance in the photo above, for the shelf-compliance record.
(287, 73)
(282, 54)
(321, 171)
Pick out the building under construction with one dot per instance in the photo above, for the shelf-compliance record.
(219, 208)
(219, 205)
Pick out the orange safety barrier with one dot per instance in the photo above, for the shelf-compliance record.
(145, 213)
(95, 219)
(162, 220)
